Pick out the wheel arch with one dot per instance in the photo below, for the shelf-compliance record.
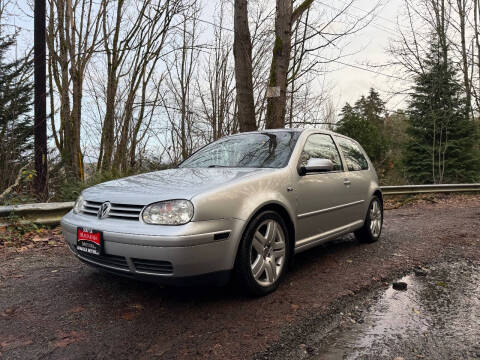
(373, 192)
(283, 212)
(379, 194)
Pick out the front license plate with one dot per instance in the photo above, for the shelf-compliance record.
(89, 241)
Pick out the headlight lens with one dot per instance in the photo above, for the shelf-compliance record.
(78, 205)
(171, 212)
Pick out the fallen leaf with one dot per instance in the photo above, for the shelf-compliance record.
(65, 339)
(349, 261)
(137, 306)
(9, 311)
(129, 315)
(14, 343)
(294, 307)
(77, 309)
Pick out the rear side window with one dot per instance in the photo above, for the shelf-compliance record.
(321, 146)
(354, 157)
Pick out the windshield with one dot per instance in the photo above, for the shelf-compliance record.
(253, 150)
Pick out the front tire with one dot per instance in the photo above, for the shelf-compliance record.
(263, 254)
(372, 227)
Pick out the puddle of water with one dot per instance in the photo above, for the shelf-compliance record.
(437, 317)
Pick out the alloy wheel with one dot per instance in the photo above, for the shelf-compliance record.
(267, 252)
(375, 218)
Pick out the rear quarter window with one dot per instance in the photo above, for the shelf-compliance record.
(354, 158)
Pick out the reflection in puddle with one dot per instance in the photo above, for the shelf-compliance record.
(438, 317)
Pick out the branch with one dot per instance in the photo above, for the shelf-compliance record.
(297, 13)
(15, 184)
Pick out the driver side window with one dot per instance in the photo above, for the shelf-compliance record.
(321, 146)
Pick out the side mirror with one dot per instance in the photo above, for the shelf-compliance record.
(316, 165)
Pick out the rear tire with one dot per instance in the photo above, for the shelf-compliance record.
(372, 227)
(263, 254)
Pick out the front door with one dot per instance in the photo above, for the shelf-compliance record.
(322, 197)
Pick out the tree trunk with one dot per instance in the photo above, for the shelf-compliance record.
(108, 129)
(466, 77)
(284, 18)
(476, 10)
(242, 51)
(40, 128)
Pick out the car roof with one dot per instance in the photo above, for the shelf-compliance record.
(292, 130)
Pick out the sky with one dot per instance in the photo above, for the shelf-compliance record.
(346, 79)
(369, 46)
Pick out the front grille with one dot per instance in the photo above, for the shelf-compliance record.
(153, 266)
(119, 211)
(105, 259)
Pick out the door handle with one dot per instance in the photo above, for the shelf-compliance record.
(347, 182)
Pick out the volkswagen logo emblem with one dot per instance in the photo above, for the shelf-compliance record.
(104, 210)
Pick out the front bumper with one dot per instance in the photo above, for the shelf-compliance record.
(167, 253)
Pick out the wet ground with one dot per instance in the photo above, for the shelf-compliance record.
(437, 317)
(334, 302)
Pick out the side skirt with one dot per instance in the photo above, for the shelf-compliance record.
(318, 239)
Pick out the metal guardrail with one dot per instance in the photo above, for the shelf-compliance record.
(425, 189)
(42, 213)
(51, 213)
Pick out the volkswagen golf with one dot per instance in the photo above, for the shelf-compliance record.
(242, 206)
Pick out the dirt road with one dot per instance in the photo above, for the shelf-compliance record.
(52, 306)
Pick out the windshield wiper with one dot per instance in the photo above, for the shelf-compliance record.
(216, 166)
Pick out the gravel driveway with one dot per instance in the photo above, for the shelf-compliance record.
(52, 306)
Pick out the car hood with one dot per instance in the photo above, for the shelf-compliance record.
(181, 183)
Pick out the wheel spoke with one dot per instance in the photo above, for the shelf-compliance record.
(257, 244)
(262, 239)
(278, 249)
(258, 267)
(271, 269)
(271, 231)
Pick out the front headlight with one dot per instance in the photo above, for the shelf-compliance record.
(78, 205)
(171, 212)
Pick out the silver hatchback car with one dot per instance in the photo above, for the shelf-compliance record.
(242, 205)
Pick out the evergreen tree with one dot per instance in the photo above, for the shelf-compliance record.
(372, 108)
(16, 123)
(441, 141)
(364, 123)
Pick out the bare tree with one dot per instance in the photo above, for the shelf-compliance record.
(284, 18)
(217, 96)
(133, 45)
(476, 32)
(260, 18)
(73, 35)
(462, 11)
(180, 72)
(242, 49)
(455, 27)
(145, 57)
